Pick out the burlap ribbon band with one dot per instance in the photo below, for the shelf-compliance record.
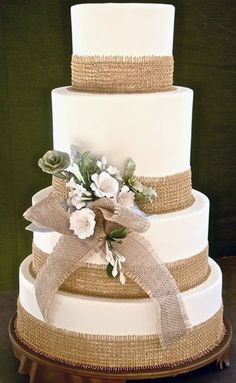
(174, 192)
(92, 279)
(107, 352)
(142, 265)
(119, 74)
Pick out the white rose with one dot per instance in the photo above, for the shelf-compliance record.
(104, 185)
(82, 222)
(126, 197)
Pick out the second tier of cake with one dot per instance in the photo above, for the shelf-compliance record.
(153, 129)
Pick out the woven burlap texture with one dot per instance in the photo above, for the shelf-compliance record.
(92, 279)
(117, 352)
(174, 192)
(118, 74)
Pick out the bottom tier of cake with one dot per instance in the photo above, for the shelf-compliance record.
(118, 334)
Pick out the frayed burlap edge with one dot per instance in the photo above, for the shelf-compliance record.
(108, 352)
(120, 74)
(92, 280)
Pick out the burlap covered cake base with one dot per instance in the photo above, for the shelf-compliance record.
(46, 370)
(108, 352)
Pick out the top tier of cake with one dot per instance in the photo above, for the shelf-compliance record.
(122, 29)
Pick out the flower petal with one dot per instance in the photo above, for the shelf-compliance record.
(104, 162)
(122, 278)
(121, 257)
(109, 255)
(71, 184)
(115, 271)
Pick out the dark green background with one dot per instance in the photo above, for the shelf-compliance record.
(35, 41)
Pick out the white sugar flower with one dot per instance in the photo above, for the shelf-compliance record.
(126, 197)
(112, 170)
(104, 185)
(117, 267)
(75, 200)
(109, 256)
(82, 222)
(77, 194)
(102, 164)
(116, 260)
(71, 184)
(78, 187)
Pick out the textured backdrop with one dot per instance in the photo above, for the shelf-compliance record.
(35, 41)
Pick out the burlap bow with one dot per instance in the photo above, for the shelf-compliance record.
(142, 263)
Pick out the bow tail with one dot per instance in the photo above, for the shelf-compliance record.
(143, 266)
(64, 260)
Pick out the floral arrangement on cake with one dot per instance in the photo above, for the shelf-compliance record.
(88, 179)
(93, 209)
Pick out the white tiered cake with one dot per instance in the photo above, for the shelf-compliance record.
(95, 320)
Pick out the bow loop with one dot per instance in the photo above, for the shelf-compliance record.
(50, 213)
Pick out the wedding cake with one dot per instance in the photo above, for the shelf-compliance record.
(119, 277)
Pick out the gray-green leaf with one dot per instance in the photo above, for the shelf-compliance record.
(129, 170)
(87, 163)
(143, 192)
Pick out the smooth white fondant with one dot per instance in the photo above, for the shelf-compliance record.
(119, 317)
(173, 236)
(153, 129)
(122, 29)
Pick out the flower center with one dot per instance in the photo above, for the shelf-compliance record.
(107, 186)
(84, 222)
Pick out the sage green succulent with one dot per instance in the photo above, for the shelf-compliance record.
(142, 192)
(54, 161)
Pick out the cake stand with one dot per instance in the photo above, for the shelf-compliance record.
(43, 369)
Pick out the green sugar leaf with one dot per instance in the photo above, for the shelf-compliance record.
(109, 270)
(118, 234)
